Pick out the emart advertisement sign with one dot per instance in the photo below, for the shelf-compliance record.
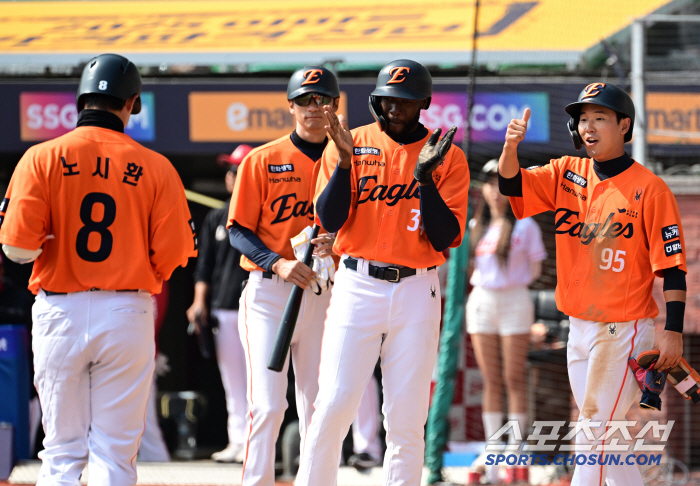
(47, 115)
(673, 118)
(242, 116)
(491, 114)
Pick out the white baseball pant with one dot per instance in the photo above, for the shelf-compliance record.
(231, 359)
(260, 313)
(93, 361)
(605, 388)
(367, 319)
(365, 427)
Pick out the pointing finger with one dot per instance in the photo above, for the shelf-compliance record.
(526, 115)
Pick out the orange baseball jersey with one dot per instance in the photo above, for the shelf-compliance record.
(273, 196)
(108, 213)
(613, 236)
(384, 223)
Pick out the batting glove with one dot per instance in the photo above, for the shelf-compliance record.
(651, 382)
(432, 155)
(324, 267)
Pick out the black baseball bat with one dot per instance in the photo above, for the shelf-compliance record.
(280, 348)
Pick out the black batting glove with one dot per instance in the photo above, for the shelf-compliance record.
(432, 154)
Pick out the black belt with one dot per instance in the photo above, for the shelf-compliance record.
(267, 274)
(390, 274)
(94, 289)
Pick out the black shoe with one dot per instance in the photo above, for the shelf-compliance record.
(362, 461)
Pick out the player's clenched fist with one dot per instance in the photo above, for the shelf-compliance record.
(338, 130)
(517, 129)
(293, 271)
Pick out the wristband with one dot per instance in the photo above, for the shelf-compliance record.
(675, 310)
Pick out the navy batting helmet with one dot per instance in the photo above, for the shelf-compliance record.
(601, 94)
(405, 79)
(113, 75)
(312, 79)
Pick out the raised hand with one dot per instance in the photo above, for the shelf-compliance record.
(432, 154)
(338, 130)
(517, 129)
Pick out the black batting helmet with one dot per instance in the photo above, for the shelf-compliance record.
(113, 75)
(405, 79)
(601, 94)
(312, 79)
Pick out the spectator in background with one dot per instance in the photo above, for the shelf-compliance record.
(218, 280)
(506, 257)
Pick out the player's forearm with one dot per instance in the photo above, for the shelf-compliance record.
(674, 295)
(248, 243)
(508, 164)
(201, 292)
(333, 205)
(439, 221)
(510, 182)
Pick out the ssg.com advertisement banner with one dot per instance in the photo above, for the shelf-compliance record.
(47, 115)
(491, 114)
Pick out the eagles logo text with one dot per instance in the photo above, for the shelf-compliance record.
(380, 192)
(588, 231)
(288, 208)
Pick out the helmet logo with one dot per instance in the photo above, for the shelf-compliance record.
(312, 76)
(592, 90)
(398, 74)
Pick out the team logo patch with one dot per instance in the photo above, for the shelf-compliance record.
(673, 248)
(4, 204)
(670, 232)
(592, 90)
(638, 194)
(398, 74)
(433, 291)
(575, 178)
(366, 151)
(312, 76)
(612, 329)
(277, 169)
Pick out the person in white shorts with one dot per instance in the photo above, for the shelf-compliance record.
(506, 255)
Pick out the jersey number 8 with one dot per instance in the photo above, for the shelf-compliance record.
(91, 226)
(617, 264)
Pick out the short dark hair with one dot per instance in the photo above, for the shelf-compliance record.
(621, 116)
(98, 101)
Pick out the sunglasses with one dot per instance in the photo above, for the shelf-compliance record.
(319, 99)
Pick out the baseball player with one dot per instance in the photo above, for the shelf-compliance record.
(617, 228)
(397, 198)
(272, 202)
(105, 221)
(218, 280)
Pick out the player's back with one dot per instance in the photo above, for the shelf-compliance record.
(104, 199)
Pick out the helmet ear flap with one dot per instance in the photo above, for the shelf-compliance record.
(572, 125)
(375, 107)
